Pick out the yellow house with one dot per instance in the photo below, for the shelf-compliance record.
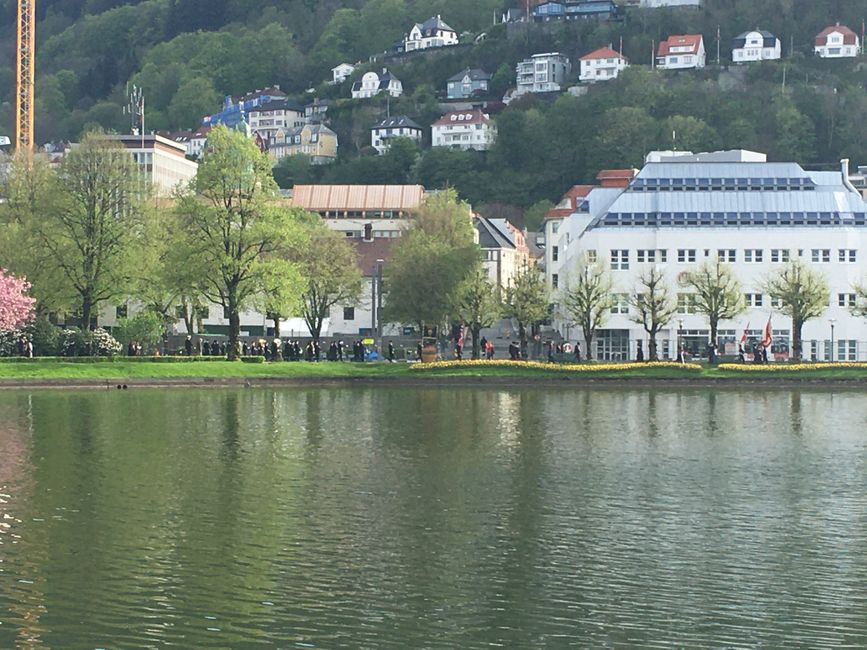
(315, 140)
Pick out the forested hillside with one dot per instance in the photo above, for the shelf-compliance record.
(188, 54)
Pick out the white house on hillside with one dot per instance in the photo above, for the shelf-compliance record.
(837, 42)
(758, 45)
(431, 33)
(393, 127)
(542, 73)
(267, 119)
(372, 84)
(464, 130)
(341, 72)
(601, 65)
(681, 52)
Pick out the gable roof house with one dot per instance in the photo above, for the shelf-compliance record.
(464, 130)
(468, 83)
(431, 33)
(576, 10)
(837, 42)
(601, 65)
(757, 45)
(270, 117)
(393, 127)
(681, 52)
(371, 84)
(341, 72)
(504, 249)
(314, 140)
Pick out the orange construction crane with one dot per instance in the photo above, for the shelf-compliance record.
(25, 73)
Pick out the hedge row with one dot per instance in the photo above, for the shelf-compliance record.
(120, 359)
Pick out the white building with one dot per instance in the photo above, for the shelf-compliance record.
(601, 65)
(163, 162)
(837, 42)
(758, 45)
(431, 33)
(393, 127)
(273, 117)
(372, 83)
(193, 141)
(682, 211)
(542, 73)
(464, 130)
(341, 72)
(681, 52)
(504, 250)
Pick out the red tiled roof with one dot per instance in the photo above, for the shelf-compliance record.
(692, 41)
(611, 174)
(573, 194)
(603, 53)
(849, 37)
(474, 116)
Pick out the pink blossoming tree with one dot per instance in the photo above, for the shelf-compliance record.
(16, 307)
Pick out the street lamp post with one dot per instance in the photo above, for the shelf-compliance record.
(832, 321)
(378, 307)
(680, 356)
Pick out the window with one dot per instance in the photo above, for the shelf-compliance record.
(753, 299)
(226, 313)
(846, 299)
(620, 303)
(847, 350)
(776, 303)
(620, 259)
(555, 280)
(646, 255)
(727, 255)
(685, 255)
(779, 255)
(121, 311)
(662, 255)
(847, 255)
(591, 257)
(555, 253)
(686, 303)
(349, 313)
(753, 255)
(820, 255)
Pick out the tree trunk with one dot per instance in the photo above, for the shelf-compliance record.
(797, 327)
(276, 319)
(476, 330)
(234, 350)
(522, 336)
(713, 330)
(86, 311)
(188, 318)
(651, 347)
(588, 345)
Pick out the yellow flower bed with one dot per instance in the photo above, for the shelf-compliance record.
(558, 367)
(791, 367)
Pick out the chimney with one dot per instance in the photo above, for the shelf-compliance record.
(844, 170)
(368, 232)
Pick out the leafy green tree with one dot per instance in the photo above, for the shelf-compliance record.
(691, 133)
(502, 79)
(589, 298)
(802, 294)
(329, 265)
(794, 133)
(479, 305)
(624, 137)
(146, 328)
(534, 216)
(716, 293)
(86, 231)
(653, 306)
(528, 302)
(193, 100)
(429, 262)
(294, 170)
(234, 226)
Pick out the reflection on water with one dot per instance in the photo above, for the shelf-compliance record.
(433, 518)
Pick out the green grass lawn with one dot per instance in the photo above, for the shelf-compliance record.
(119, 370)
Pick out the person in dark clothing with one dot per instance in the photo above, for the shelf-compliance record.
(711, 353)
(188, 346)
(418, 352)
(742, 357)
(577, 351)
(130, 349)
(639, 355)
(757, 354)
(764, 354)
(206, 349)
(550, 346)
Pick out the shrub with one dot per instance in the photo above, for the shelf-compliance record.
(75, 342)
(146, 328)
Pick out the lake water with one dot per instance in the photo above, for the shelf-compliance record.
(433, 518)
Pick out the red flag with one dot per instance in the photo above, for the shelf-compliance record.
(744, 335)
(768, 337)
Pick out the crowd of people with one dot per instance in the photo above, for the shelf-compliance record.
(290, 350)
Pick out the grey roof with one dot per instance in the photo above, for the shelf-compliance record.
(399, 121)
(433, 25)
(278, 105)
(768, 39)
(735, 195)
(320, 129)
(473, 73)
(493, 233)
